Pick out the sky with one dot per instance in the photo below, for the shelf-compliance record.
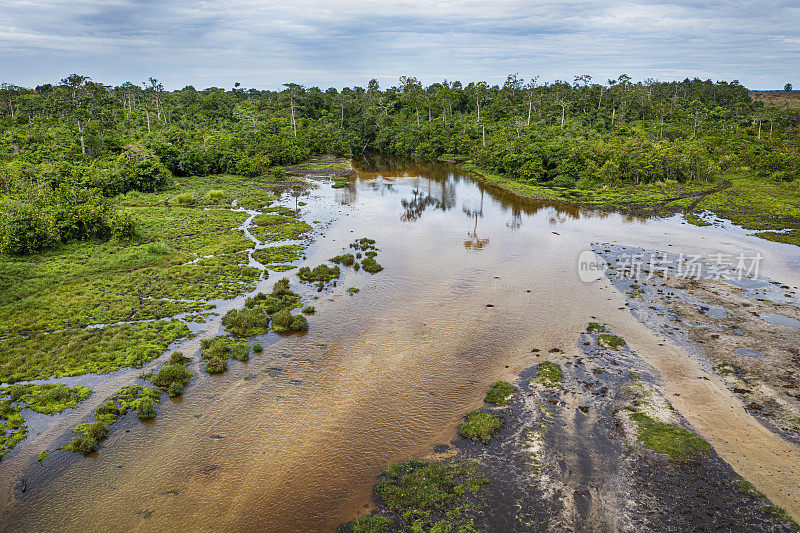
(263, 44)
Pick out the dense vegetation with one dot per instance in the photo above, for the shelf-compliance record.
(66, 149)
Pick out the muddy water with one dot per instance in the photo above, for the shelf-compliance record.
(473, 279)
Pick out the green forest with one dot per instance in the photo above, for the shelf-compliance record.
(68, 149)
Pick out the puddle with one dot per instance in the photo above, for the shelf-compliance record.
(748, 352)
(780, 320)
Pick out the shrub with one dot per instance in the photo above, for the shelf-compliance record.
(216, 365)
(83, 445)
(309, 310)
(257, 347)
(146, 410)
(172, 377)
(344, 259)
(370, 265)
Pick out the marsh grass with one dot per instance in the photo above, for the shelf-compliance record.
(216, 352)
(480, 426)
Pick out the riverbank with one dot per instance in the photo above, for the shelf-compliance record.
(770, 208)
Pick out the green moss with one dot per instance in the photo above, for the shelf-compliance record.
(480, 426)
(747, 487)
(43, 456)
(431, 496)
(216, 352)
(610, 341)
(597, 370)
(676, 442)
(48, 398)
(271, 219)
(594, 327)
(100, 350)
(499, 393)
(353, 290)
(258, 348)
(548, 374)
(279, 254)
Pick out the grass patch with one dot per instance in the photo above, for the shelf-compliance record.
(594, 327)
(780, 514)
(677, 443)
(480, 426)
(260, 310)
(353, 290)
(610, 341)
(695, 220)
(431, 496)
(499, 393)
(279, 254)
(43, 456)
(548, 374)
(13, 427)
(343, 259)
(77, 352)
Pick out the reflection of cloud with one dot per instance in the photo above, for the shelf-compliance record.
(340, 42)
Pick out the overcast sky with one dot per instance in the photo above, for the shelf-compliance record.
(334, 43)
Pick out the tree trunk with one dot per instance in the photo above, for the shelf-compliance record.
(483, 133)
(83, 144)
(147, 113)
(530, 107)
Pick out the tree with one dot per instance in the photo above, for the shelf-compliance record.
(85, 101)
(788, 87)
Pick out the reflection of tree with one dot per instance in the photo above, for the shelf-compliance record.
(474, 242)
(423, 200)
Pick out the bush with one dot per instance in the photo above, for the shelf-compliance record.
(257, 347)
(309, 310)
(216, 365)
(146, 410)
(82, 445)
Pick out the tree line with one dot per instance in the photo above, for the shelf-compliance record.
(68, 148)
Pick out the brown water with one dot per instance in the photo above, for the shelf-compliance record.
(386, 374)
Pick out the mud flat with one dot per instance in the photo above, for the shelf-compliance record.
(597, 448)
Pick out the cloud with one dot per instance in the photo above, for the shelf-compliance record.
(263, 44)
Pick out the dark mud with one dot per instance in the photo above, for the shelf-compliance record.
(567, 459)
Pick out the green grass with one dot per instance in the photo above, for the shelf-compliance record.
(594, 327)
(431, 496)
(77, 352)
(499, 393)
(610, 341)
(43, 456)
(480, 426)
(677, 443)
(48, 398)
(261, 309)
(695, 220)
(780, 514)
(279, 254)
(343, 259)
(754, 203)
(13, 427)
(353, 290)
(548, 374)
